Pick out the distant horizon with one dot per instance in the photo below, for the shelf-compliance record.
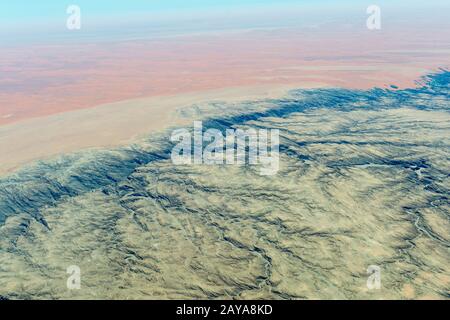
(44, 22)
(21, 13)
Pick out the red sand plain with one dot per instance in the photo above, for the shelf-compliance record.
(40, 80)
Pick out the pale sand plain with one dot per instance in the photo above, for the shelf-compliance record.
(113, 124)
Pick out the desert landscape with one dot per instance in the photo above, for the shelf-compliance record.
(87, 179)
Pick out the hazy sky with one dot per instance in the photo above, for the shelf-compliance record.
(25, 9)
(49, 16)
(46, 18)
(50, 9)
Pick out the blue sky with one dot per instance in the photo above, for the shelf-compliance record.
(30, 10)
(39, 9)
